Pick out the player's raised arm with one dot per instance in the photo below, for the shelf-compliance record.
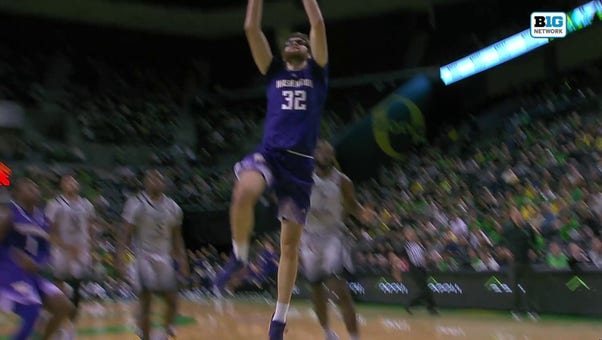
(260, 48)
(317, 34)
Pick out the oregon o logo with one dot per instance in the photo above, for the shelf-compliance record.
(383, 127)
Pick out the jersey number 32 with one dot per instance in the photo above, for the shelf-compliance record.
(294, 100)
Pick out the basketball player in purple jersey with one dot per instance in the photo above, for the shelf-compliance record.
(296, 92)
(24, 250)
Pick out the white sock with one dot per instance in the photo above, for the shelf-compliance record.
(354, 337)
(280, 313)
(241, 251)
(327, 330)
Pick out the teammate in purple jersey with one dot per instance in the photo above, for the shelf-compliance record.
(24, 250)
(296, 92)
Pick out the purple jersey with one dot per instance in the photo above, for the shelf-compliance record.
(29, 233)
(295, 102)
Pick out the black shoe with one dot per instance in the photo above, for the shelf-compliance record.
(433, 311)
(409, 310)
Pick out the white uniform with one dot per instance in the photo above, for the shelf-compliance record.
(72, 218)
(153, 223)
(324, 244)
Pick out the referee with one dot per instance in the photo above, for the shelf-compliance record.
(418, 265)
(519, 238)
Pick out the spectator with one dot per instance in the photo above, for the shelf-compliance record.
(556, 259)
(595, 252)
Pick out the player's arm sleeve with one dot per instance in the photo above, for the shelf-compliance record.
(130, 210)
(51, 211)
(129, 216)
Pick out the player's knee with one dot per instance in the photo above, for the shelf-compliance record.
(63, 307)
(246, 192)
(289, 248)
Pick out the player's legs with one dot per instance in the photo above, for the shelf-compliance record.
(75, 285)
(345, 303)
(290, 239)
(247, 190)
(144, 304)
(335, 253)
(29, 315)
(311, 252)
(319, 299)
(171, 302)
(293, 190)
(57, 305)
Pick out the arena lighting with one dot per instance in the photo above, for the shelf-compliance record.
(515, 45)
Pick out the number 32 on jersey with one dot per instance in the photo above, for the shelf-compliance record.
(294, 100)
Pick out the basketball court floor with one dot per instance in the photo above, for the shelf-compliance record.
(247, 320)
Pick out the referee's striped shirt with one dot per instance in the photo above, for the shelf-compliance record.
(416, 254)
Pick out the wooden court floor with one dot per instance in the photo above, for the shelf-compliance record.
(247, 320)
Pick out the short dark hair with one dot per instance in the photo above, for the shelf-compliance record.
(19, 182)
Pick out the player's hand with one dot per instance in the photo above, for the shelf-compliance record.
(24, 261)
(367, 216)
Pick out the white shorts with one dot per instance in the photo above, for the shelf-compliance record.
(65, 267)
(155, 273)
(324, 255)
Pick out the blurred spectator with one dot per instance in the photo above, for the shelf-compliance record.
(556, 259)
(595, 252)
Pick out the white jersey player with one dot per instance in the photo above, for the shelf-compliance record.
(153, 226)
(71, 217)
(325, 253)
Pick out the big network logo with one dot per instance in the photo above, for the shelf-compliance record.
(444, 287)
(548, 25)
(496, 286)
(391, 288)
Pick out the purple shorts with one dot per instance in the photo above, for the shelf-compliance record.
(289, 175)
(31, 291)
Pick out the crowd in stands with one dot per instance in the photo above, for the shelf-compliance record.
(458, 198)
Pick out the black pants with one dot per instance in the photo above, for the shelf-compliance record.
(424, 293)
(521, 274)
